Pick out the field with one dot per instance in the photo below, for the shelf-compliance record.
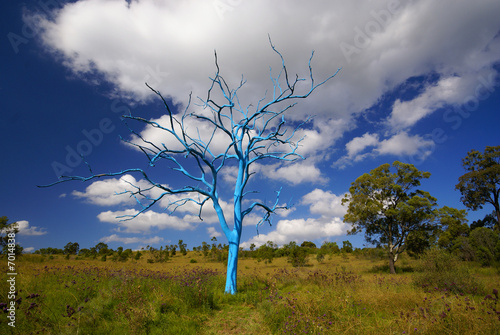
(344, 294)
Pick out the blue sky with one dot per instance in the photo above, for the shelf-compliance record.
(419, 84)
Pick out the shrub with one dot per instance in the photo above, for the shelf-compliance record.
(442, 271)
(298, 256)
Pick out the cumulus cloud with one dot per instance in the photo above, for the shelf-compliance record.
(299, 230)
(27, 230)
(321, 203)
(212, 232)
(144, 222)
(380, 44)
(324, 203)
(401, 144)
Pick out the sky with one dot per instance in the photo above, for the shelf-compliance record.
(419, 83)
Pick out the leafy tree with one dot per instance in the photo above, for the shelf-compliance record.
(484, 241)
(182, 247)
(418, 242)
(250, 134)
(387, 207)
(488, 221)
(346, 247)
(252, 247)
(7, 229)
(481, 183)
(453, 224)
(308, 244)
(71, 248)
(205, 248)
(102, 248)
(330, 247)
(297, 256)
(266, 252)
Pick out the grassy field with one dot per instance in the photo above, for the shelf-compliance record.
(341, 295)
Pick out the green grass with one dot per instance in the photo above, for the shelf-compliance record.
(338, 296)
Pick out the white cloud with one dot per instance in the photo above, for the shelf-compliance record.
(144, 222)
(324, 203)
(170, 44)
(212, 232)
(25, 229)
(299, 230)
(449, 90)
(28, 250)
(110, 192)
(294, 173)
(404, 144)
(130, 240)
(400, 144)
(358, 144)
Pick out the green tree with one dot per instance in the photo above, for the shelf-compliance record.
(297, 255)
(205, 248)
(8, 232)
(308, 244)
(266, 252)
(387, 207)
(346, 247)
(330, 247)
(488, 221)
(182, 247)
(71, 248)
(484, 241)
(453, 224)
(481, 183)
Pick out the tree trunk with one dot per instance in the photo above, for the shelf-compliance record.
(232, 266)
(391, 263)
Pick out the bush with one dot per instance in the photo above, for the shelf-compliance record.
(298, 256)
(442, 271)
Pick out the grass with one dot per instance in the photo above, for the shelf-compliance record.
(340, 295)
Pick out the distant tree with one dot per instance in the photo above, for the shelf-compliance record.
(248, 134)
(182, 247)
(346, 247)
(330, 247)
(8, 232)
(308, 244)
(252, 247)
(418, 242)
(71, 248)
(137, 255)
(387, 207)
(102, 248)
(453, 224)
(266, 252)
(485, 243)
(481, 183)
(84, 252)
(488, 221)
(205, 248)
(297, 256)
(173, 249)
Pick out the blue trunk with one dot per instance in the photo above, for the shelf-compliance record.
(232, 263)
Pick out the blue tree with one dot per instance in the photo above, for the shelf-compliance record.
(252, 134)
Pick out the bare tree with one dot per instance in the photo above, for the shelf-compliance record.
(251, 133)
